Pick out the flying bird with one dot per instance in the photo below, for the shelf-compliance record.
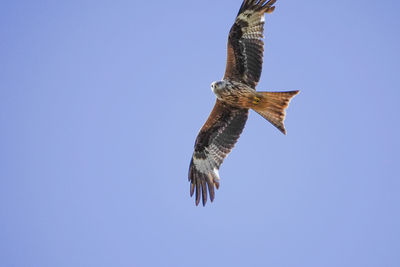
(235, 95)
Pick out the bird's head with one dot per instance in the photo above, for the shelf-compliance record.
(217, 85)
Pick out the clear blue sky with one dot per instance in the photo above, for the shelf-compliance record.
(100, 105)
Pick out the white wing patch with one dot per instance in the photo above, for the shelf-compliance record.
(255, 22)
(210, 164)
(216, 173)
(203, 165)
(245, 15)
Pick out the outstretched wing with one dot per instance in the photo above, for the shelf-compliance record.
(214, 142)
(245, 44)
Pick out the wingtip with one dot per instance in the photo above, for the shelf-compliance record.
(204, 192)
(216, 185)
(201, 192)
(191, 189)
(270, 10)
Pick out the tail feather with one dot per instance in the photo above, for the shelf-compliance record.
(272, 105)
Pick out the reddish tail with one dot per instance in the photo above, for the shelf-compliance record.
(272, 105)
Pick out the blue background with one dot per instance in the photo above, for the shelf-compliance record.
(100, 104)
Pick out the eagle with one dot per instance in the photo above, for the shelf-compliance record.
(235, 95)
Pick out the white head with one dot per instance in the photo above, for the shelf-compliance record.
(218, 85)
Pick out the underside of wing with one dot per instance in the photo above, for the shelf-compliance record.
(245, 44)
(214, 142)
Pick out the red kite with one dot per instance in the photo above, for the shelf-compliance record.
(236, 94)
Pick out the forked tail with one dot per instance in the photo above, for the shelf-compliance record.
(272, 105)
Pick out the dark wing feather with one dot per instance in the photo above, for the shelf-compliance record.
(245, 44)
(214, 142)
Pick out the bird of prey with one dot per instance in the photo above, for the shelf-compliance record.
(235, 95)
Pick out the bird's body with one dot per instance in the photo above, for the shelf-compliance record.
(236, 95)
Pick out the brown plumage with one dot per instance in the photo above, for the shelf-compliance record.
(236, 94)
(272, 106)
(245, 46)
(214, 141)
